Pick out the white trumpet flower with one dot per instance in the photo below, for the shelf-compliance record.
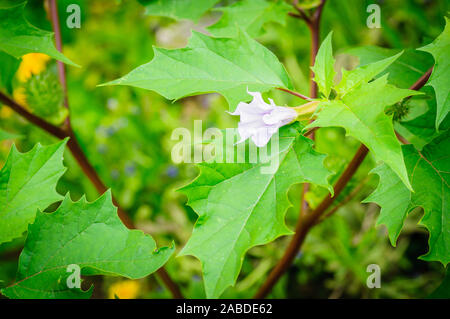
(259, 120)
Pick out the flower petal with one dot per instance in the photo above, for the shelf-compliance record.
(262, 136)
(280, 115)
(258, 102)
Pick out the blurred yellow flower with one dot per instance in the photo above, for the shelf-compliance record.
(125, 289)
(19, 96)
(32, 63)
(5, 112)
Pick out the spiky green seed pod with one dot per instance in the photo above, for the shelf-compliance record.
(44, 94)
(398, 111)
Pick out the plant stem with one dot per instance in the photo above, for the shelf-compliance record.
(401, 138)
(302, 14)
(313, 24)
(46, 126)
(305, 224)
(53, 8)
(422, 80)
(314, 27)
(304, 97)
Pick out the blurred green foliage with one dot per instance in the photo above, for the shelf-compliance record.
(126, 134)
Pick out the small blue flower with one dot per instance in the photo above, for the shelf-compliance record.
(172, 171)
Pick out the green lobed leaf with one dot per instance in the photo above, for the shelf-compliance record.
(439, 79)
(18, 37)
(361, 113)
(363, 74)
(249, 15)
(225, 65)
(429, 174)
(324, 66)
(27, 183)
(178, 9)
(89, 235)
(240, 207)
(394, 199)
(404, 71)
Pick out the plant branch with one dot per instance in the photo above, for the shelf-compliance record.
(46, 126)
(313, 23)
(304, 97)
(314, 27)
(422, 80)
(318, 13)
(302, 14)
(310, 131)
(401, 138)
(295, 15)
(53, 8)
(309, 220)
